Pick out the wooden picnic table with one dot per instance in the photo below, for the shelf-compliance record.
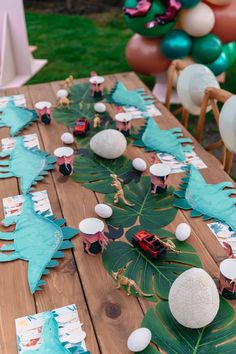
(108, 314)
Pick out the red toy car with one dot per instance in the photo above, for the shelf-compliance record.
(81, 127)
(149, 243)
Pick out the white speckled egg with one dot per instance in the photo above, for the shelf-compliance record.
(100, 107)
(62, 93)
(139, 164)
(139, 339)
(182, 232)
(67, 138)
(194, 298)
(103, 210)
(109, 144)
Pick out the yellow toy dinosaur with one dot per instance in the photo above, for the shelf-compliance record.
(120, 193)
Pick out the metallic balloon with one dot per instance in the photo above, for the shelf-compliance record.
(220, 65)
(219, 2)
(144, 55)
(151, 18)
(225, 20)
(176, 44)
(206, 49)
(198, 21)
(230, 51)
(188, 4)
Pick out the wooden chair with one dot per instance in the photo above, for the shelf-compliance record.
(175, 68)
(213, 95)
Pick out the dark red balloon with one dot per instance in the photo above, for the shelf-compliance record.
(144, 55)
(225, 24)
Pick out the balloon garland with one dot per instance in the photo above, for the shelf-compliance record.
(173, 29)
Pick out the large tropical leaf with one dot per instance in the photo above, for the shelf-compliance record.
(94, 171)
(153, 276)
(151, 210)
(217, 338)
(81, 92)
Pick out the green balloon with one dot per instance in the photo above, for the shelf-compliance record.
(137, 24)
(220, 65)
(206, 49)
(230, 51)
(188, 4)
(176, 44)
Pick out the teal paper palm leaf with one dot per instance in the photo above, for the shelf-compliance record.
(94, 171)
(150, 210)
(216, 338)
(154, 277)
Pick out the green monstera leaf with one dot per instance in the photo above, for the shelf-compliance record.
(81, 92)
(154, 277)
(94, 171)
(151, 210)
(216, 338)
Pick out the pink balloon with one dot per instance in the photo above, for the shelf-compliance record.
(225, 20)
(144, 55)
(219, 2)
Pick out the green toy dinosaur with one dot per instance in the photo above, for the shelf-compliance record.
(37, 239)
(29, 165)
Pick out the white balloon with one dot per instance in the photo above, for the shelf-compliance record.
(227, 123)
(198, 21)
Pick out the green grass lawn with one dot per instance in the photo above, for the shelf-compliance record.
(77, 45)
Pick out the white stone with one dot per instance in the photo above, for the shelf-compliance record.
(139, 339)
(62, 93)
(182, 232)
(194, 298)
(67, 138)
(103, 210)
(100, 107)
(139, 164)
(109, 144)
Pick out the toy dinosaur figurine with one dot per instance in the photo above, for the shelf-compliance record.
(96, 121)
(37, 239)
(16, 118)
(29, 165)
(64, 102)
(122, 280)
(120, 192)
(211, 201)
(68, 82)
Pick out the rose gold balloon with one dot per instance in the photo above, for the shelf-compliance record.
(219, 2)
(144, 55)
(225, 20)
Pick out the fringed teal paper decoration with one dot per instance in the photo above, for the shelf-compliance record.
(211, 201)
(152, 138)
(36, 239)
(16, 118)
(50, 342)
(120, 96)
(29, 165)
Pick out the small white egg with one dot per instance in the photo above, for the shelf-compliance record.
(182, 232)
(139, 339)
(67, 138)
(103, 210)
(62, 93)
(139, 164)
(100, 107)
